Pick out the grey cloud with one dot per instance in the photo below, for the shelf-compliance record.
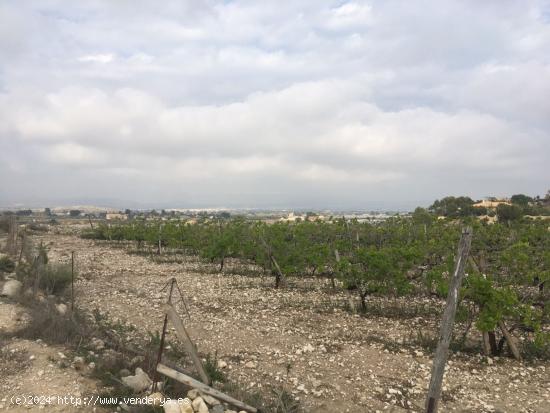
(270, 103)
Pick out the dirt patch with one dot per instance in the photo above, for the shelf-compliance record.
(35, 376)
(40, 377)
(12, 317)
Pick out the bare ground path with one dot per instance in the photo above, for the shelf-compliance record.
(331, 359)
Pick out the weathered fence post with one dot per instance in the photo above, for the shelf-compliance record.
(72, 280)
(163, 335)
(11, 244)
(38, 265)
(511, 342)
(23, 243)
(447, 321)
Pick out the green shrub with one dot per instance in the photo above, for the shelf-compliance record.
(509, 212)
(212, 370)
(37, 227)
(55, 278)
(6, 264)
(46, 323)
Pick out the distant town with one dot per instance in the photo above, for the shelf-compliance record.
(191, 215)
(450, 206)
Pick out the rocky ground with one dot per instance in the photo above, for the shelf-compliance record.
(35, 372)
(302, 339)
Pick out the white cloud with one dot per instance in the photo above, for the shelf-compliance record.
(312, 101)
(97, 58)
(309, 121)
(72, 154)
(349, 15)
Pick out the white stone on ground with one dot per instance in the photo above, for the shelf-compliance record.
(12, 288)
(139, 382)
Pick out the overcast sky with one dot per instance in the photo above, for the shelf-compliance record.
(314, 104)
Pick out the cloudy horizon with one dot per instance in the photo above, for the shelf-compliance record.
(336, 104)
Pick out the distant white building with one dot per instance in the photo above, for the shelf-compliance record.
(491, 203)
(116, 216)
(291, 218)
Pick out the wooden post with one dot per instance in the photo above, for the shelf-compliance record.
(39, 269)
(510, 340)
(72, 280)
(187, 343)
(163, 335)
(447, 321)
(159, 251)
(11, 244)
(332, 275)
(203, 388)
(23, 243)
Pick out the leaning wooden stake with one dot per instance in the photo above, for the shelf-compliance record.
(511, 342)
(446, 330)
(187, 343)
(189, 381)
